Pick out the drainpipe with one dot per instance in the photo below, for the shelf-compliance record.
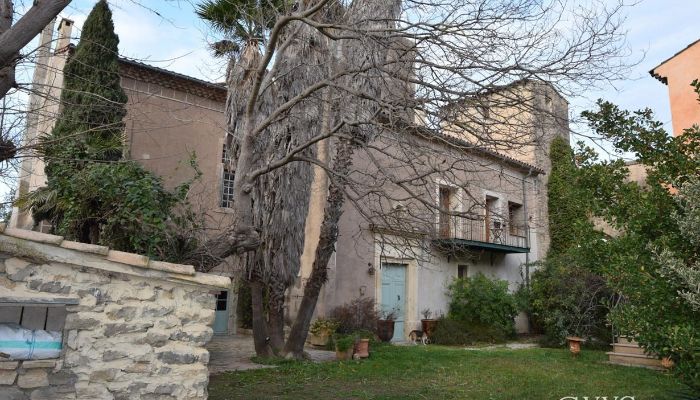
(527, 239)
(527, 231)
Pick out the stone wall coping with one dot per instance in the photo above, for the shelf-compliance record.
(45, 247)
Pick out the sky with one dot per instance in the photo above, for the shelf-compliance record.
(176, 39)
(168, 34)
(656, 30)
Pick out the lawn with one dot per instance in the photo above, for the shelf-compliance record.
(435, 372)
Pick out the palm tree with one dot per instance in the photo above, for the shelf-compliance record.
(242, 22)
(245, 25)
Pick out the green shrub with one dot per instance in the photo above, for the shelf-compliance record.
(244, 305)
(450, 332)
(323, 325)
(344, 342)
(484, 303)
(566, 301)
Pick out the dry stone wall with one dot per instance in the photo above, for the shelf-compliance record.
(134, 328)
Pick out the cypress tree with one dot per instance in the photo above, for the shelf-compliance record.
(565, 200)
(88, 129)
(90, 125)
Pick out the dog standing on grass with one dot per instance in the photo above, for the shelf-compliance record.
(417, 335)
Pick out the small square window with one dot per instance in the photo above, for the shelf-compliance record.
(462, 271)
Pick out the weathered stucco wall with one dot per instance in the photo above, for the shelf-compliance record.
(364, 244)
(138, 329)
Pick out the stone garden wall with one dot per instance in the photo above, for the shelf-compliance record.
(133, 328)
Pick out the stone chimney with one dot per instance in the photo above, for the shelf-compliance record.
(65, 28)
(46, 39)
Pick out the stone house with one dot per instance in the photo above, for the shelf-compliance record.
(170, 118)
(498, 228)
(124, 326)
(170, 115)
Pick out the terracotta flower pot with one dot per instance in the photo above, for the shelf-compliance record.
(385, 330)
(667, 362)
(574, 344)
(362, 348)
(428, 326)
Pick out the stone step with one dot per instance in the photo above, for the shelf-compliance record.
(627, 349)
(634, 359)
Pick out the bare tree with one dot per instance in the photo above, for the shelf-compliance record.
(398, 89)
(14, 36)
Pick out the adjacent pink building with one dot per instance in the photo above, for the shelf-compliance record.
(677, 73)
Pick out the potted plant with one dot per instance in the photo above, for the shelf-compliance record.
(321, 331)
(344, 347)
(575, 344)
(362, 344)
(428, 325)
(385, 325)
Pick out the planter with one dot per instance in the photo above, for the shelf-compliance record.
(319, 340)
(667, 362)
(428, 326)
(574, 344)
(362, 348)
(385, 330)
(343, 355)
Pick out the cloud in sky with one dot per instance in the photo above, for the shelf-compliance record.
(166, 34)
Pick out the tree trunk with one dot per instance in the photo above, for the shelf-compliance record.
(294, 347)
(276, 326)
(14, 37)
(260, 338)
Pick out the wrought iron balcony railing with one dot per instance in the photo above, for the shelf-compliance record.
(491, 230)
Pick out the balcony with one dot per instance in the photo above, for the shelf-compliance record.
(455, 235)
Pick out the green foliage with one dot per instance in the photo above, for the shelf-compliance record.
(566, 204)
(365, 334)
(242, 21)
(684, 270)
(656, 239)
(451, 332)
(672, 159)
(323, 325)
(567, 294)
(344, 342)
(90, 124)
(244, 305)
(481, 302)
(679, 337)
(569, 300)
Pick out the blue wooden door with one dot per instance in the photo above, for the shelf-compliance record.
(221, 314)
(394, 295)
